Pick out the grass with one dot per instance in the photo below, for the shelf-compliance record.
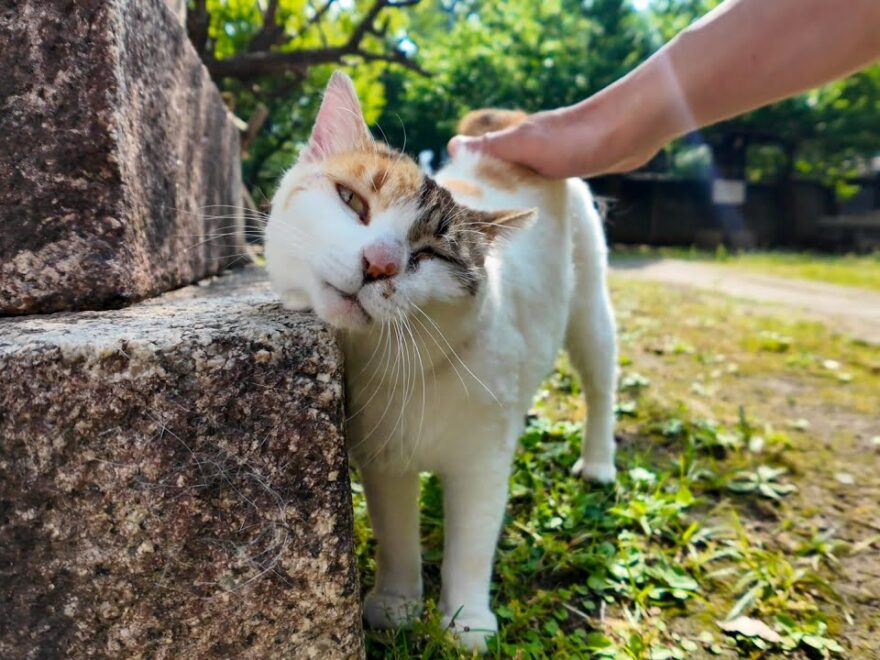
(861, 271)
(743, 523)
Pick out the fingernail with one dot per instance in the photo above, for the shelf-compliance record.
(460, 142)
(454, 145)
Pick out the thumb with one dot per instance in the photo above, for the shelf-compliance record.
(460, 143)
(496, 143)
(504, 144)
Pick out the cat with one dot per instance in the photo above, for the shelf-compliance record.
(453, 296)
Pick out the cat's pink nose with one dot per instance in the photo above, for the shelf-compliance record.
(382, 260)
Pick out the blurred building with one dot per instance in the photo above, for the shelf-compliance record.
(655, 207)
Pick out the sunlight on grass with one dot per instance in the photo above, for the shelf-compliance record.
(707, 545)
(845, 269)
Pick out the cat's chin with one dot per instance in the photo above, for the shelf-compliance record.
(342, 310)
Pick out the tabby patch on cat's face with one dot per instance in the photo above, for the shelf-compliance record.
(358, 233)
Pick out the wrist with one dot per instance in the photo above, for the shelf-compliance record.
(627, 122)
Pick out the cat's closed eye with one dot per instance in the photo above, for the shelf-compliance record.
(354, 201)
(420, 255)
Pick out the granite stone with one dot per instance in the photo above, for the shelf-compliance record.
(117, 157)
(174, 482)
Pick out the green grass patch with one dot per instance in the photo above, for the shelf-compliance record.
(861, 271)
(707, 545)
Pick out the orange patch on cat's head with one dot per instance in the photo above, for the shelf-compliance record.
(381, 177)
(462, 187)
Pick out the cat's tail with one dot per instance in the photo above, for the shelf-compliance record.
(487, 120)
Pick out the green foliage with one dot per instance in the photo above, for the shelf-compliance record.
(670, 562)
(854, 270)
(828, 134)
(293, 97)
(522, 54)
(602, 572)
(513, 54)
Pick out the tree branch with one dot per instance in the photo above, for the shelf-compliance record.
(198, 20)
(366, 23)
(319, 14)
(271, 34)
(261, 61)
(253, 65)
(394, 57)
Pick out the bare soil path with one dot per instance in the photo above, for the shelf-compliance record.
(852, 311)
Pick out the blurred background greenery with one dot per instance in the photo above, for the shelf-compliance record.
(420, 65)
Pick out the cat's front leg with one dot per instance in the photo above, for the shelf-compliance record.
(474, 498)
(393, 504)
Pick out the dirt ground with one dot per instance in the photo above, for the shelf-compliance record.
(854, 311)
(836, 462)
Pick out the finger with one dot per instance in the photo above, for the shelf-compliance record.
(461, 142)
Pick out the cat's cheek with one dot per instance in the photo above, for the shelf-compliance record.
(433, 284)
(381, 301)
(341, 312)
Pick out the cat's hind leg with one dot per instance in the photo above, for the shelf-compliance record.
(393, 504)
(592, 348)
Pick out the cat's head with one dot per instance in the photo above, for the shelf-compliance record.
(361, 235)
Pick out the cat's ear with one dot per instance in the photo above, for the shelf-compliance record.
(340, 125)
(502, 224)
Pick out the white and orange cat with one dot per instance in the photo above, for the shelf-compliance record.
(453, 296)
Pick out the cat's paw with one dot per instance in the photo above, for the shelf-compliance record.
(389, 610)
(471, 629)
(603, 473)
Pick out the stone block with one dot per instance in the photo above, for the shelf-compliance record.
(116, 152)
(174, 483)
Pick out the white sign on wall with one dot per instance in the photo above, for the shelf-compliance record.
(729, 192)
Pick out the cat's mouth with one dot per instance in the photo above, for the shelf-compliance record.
(352, 306)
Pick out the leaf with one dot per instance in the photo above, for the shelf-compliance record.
(750, 628)
(504, 612)
(596, 641)
(744, 601)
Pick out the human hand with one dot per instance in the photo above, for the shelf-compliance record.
(582, 140)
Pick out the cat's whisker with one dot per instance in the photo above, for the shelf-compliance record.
(366, 386)
(240, 212)
(397, 373)
(408, 381)
(243, 209)
(443, 352)
(210, 240)
(467, 368)
(402, 153)
(373, 354)
(417, 442)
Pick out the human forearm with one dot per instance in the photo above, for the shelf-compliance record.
(744, 54)
(749, 53)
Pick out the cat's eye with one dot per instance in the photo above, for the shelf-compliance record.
(422, 254)
(354, 201)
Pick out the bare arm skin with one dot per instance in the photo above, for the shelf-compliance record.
(743, 55)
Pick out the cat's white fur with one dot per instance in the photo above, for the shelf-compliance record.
(447, 389)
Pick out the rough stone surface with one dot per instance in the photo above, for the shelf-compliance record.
(178, 8)
(114, 143)
(173, 482)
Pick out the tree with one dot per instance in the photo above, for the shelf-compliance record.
(512, 53)
(280, 53)
(828, 134)
(509, 53)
